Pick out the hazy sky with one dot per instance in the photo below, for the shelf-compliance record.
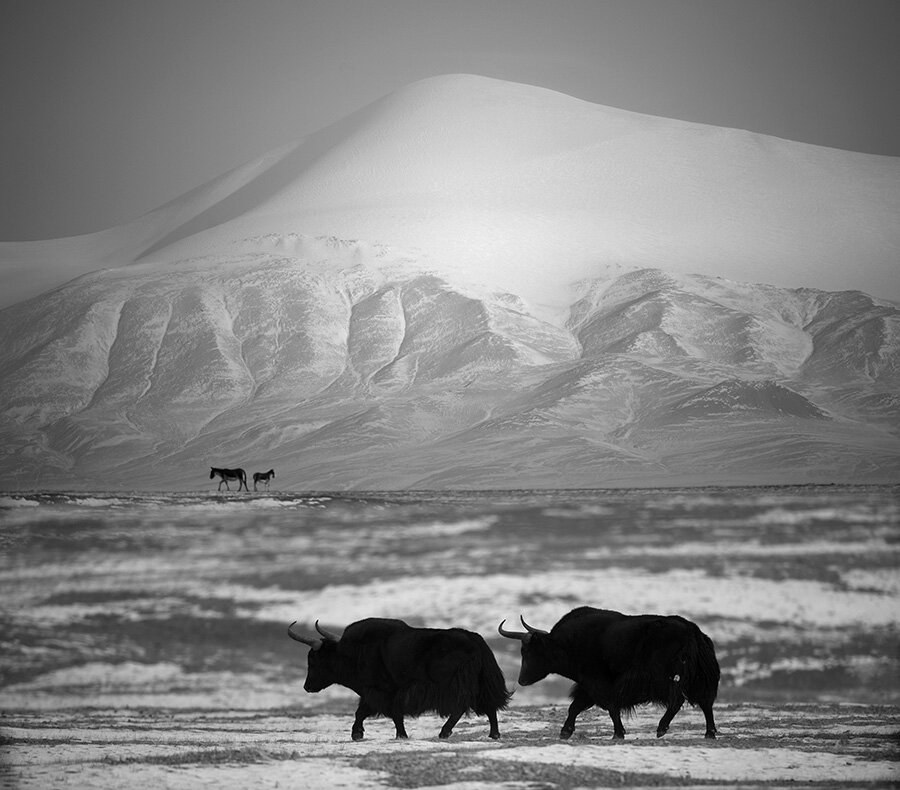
(110, 108)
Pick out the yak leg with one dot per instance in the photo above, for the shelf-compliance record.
(363, 711)
(580, 702)
(495, 728)
(666, 720)
(397, 718)
(398, 723)
(711, 730)
(447, 729)
(618, 729)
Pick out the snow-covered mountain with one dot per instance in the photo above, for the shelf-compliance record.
(472, 283)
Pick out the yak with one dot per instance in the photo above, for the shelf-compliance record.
(399, 670)
(621, 661)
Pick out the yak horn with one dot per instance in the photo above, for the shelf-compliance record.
(521, 636)
(327, 634)
(312, 641)
(530, 629)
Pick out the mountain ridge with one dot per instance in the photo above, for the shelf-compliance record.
(471, 283)
(351, 378)
(481, 178)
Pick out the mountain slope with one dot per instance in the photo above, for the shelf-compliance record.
(486, 175)
(29, 268)
(353, 378)
(527, 190)
(476, 284)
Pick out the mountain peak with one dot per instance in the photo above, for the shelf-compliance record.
(529, 190)
(473, 282)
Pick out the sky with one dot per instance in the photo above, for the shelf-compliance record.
(111, 108)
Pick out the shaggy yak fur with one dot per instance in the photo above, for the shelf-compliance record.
(620, 661)
(398, 671)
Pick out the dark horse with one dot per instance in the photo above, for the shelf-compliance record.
(229, 474)
(263, 477)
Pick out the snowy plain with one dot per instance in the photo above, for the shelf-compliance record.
(144, 634)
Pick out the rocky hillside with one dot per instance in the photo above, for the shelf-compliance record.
(342, 375)
(472, 283)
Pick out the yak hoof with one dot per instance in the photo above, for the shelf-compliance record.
(711, 734)
(446, 734)
(618, 736)
(357, 735)
(495, 735)
(660, 732)
(566, 732)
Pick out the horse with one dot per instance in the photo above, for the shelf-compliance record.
(263, 477)
(229, 474)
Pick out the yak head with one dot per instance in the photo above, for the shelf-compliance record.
(321, 660)
(537, 647)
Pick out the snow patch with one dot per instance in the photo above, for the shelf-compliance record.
(482, 602)
(16, 502)
(723, 763)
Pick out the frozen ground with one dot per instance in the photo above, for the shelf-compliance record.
(812, 745)
(143, 636)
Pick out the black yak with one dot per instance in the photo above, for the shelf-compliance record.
(399, 670)
(620, 661)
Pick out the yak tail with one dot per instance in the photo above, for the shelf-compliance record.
(492, 692)
(702, 667)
